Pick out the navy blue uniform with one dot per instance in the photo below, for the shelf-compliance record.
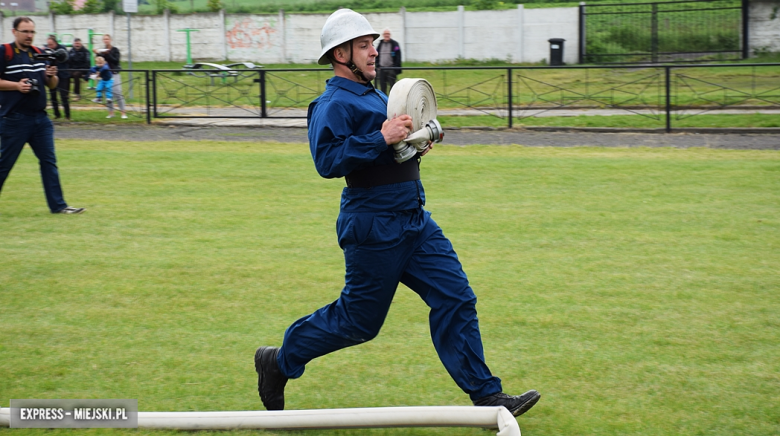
(387, 237)
(23, 120)
(22, 66)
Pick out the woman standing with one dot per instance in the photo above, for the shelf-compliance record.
(112, 56)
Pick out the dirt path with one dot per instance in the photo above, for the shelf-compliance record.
(457, 137)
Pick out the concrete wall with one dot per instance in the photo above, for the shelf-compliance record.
(764, 21)
(432, 36)
(517, 35)
(543, 24)
(207, 42)
(256, 38)
(513, 35)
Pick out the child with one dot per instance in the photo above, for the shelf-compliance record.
(101, 71)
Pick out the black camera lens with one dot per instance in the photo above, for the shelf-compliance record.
(33, 86)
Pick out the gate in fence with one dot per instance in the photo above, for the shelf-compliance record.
(676, 31)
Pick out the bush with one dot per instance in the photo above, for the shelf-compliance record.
(214, 5)
(161, 5)
(62, 7)
(92, 7)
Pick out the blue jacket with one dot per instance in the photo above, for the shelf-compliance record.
(345, 135)
(104, 72)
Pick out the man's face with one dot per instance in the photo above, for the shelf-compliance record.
(24, 34)
(107, 41)
(364, 56)
(386, 35)
(77, 45)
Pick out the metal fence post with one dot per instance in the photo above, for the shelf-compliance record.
(654, 33)
(668, 71)
(153, 84)
(745, 29)
(582, 33)
(509, 94)
(148, 101)
(263, 109)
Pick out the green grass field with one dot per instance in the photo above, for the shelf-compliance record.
(635, 288)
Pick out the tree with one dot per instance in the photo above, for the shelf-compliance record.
(62, 7)
(214, 5)
(161, 5)
(92, 7)
(111, 5)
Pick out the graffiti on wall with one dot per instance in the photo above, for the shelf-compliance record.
(251, 37)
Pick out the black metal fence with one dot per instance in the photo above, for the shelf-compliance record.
(511, 96)
(676, 31)
(132, 93)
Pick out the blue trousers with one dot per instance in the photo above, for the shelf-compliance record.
(16, 130)
(105, 86)
(382, 249)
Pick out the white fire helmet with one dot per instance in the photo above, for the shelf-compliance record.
(342, 26)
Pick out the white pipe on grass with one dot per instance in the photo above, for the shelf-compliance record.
(431, 416)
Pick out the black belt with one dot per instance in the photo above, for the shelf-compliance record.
(384, 174)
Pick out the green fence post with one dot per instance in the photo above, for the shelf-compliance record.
(90, 35)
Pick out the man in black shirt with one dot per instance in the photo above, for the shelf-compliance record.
(78, 58)
(23, 119)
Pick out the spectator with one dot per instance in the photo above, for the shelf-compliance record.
(103, 75)
(79, 63)
(112, 56)
(63, 87)
(389, 56)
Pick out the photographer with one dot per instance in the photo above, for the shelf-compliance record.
(63, 87)
(23, 118)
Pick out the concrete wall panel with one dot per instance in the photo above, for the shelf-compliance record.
(204, 44)
(254, 38)
(543, 24)
(764, 31)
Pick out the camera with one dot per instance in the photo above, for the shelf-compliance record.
(34, 90)
(47, 54)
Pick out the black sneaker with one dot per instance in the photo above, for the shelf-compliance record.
(270, 380)
(71, 210)
(516, 404)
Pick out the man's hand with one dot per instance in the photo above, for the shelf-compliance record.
(24, 86)
(51, 77)
(430, 146)
(397, 129)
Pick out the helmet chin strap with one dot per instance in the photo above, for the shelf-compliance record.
(351, 65)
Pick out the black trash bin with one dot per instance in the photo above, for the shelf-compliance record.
(556, 51)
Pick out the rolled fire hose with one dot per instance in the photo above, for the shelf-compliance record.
(414, 97)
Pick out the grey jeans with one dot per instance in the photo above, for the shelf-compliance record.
(119, 98)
